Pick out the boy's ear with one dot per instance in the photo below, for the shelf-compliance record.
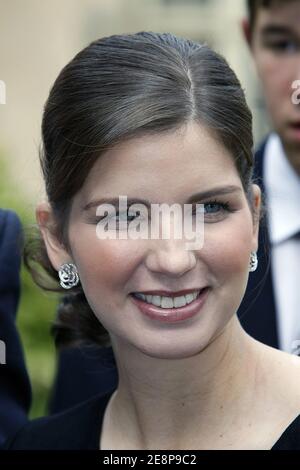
(246, 30)
(56, 251)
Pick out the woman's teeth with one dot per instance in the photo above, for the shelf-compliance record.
(168, 302)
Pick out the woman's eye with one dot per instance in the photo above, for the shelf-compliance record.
(215, 207)
(210, 209)
(125, 217)
(118, 218)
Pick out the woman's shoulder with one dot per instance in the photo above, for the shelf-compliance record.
(281, 371)
(275, 406)
(283, 391)
(76, 428)
(284, 369)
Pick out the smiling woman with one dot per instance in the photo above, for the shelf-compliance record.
(162, 120)
(161, 89)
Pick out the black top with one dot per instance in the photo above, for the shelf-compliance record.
(79, 428)
(15, 391)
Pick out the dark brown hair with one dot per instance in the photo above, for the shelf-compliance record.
(117, 88)
(254, 5)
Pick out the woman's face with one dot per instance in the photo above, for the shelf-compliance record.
(166, 168)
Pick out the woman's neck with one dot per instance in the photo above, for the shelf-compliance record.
(161, 403)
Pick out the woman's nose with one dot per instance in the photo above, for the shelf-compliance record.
(170, 257)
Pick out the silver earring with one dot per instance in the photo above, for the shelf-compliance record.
(68, 275)
(253, 261)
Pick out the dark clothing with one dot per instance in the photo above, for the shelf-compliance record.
(15, 392)
(82, 373)
(77, 428)
(257, 312)
(80, 428)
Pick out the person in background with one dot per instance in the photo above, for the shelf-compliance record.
(272, 31)
(15, 391)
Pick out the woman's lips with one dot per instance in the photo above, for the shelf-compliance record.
(172, 315)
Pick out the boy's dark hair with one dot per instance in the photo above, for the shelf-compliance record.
(254, 5)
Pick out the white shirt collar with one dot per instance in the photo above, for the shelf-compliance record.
(282, 186)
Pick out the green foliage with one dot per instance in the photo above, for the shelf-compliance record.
(36, 309)
(36, 313)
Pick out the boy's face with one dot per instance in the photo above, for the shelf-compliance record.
(275, 45)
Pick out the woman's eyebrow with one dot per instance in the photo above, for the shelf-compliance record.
(218, 191)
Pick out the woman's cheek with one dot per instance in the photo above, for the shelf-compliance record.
(229, 254)
(105, 263)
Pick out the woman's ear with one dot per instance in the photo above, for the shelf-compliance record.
(256, 214)
(56, 251)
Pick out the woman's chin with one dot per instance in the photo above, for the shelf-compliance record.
(177, 351)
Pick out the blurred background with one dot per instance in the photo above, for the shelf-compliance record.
(37, 38)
